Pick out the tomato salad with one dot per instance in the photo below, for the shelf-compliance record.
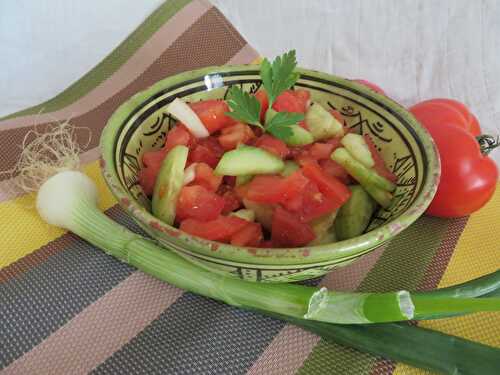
(300, 179)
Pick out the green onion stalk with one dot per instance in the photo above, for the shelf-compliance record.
(69, 199)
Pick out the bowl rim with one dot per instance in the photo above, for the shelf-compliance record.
(235, 255)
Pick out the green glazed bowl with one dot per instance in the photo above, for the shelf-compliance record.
(141, 124)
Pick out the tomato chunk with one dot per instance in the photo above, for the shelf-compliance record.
(250, 235)
(212, 114)
(320, 151)
(147, 175)
(288, 230)
(179, 135)
(328, 185)
(219, 229)
(231, 199)
(379, 166)
(275, 189)
(204, 176)
(198, 203)
(273, 145)
(261, 96)
(334, 169)
(292, 101)
(235, 135)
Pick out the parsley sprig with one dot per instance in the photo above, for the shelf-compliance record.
(276, 78)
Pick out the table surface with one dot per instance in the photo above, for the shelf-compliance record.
(415, 50)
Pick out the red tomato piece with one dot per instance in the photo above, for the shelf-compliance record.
(370, 85)
(179, 135)
(235, 135)
(230, 180)
(250, 235)
(273, 145)
(337, 115)
(261, 96)
(274, 189)
(219, 229)
(320, 151)
(147, 179)
(204, 176)
(212, 114)
(288, 230)
(288, 101)
(198, 203)
(202, 154)
(328, 185)
(303, 96)
(334, 169)
(213, 145)
(379, 166)
(153, 158)
(231, 201)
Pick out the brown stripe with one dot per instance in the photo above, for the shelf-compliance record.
(209, 45)
(135, 65)
(431, 279)
(100, 329)
(291, 347)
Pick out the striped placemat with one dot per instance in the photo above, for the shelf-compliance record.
(67, 308)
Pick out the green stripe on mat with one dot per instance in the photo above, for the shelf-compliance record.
(111, 63)
(401, 266)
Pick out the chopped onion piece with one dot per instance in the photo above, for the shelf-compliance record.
(190, 173)
(182, 112)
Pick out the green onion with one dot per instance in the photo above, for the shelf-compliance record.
(75, 206)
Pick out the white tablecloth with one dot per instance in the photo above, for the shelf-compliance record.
(415, 50)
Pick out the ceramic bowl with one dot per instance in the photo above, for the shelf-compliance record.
(141, 124)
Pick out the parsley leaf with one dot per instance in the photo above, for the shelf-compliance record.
(246, 108)
(280, 125)
(279, 76)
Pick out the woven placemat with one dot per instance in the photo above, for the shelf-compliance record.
(67, 308)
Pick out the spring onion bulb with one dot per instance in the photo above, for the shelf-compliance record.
(182, 112)
(69, 200)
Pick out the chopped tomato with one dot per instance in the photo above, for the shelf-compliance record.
(202, 154)
(231, 201)
(320, 151)
(179, 135)
(311, 204)
(235, 135)
(261, 96)
(198, 203)
(212, 114)
(250, 235)
(334, 169)
(230, 180)
(153, 158)
(328, 185)
(335, 142)
(213, 145)
(379, 166)
(219, 229)
(291, 101)
(204, 176)
(147, 179)
(274, 189)
(273, 145)
(288, 230)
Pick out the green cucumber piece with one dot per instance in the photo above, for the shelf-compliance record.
(299, 137)
(248, 160)
(244, 214)
(290, 168)
(169, 184)
(362, 174)
(263, 212)
(356, 145)
(243, 179)
(354, 216)
(322, 124)
(381, 196)
(323, 229)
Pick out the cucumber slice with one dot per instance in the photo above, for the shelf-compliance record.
(355, 214)
(357, 147)
(169, 184)
(323, 230)
(381, 196)
(300, 137)
(363, 175)
(322, 124)
(243, 179)
(290, 168)
(248, 160)
(244, 214)
(263, 212)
